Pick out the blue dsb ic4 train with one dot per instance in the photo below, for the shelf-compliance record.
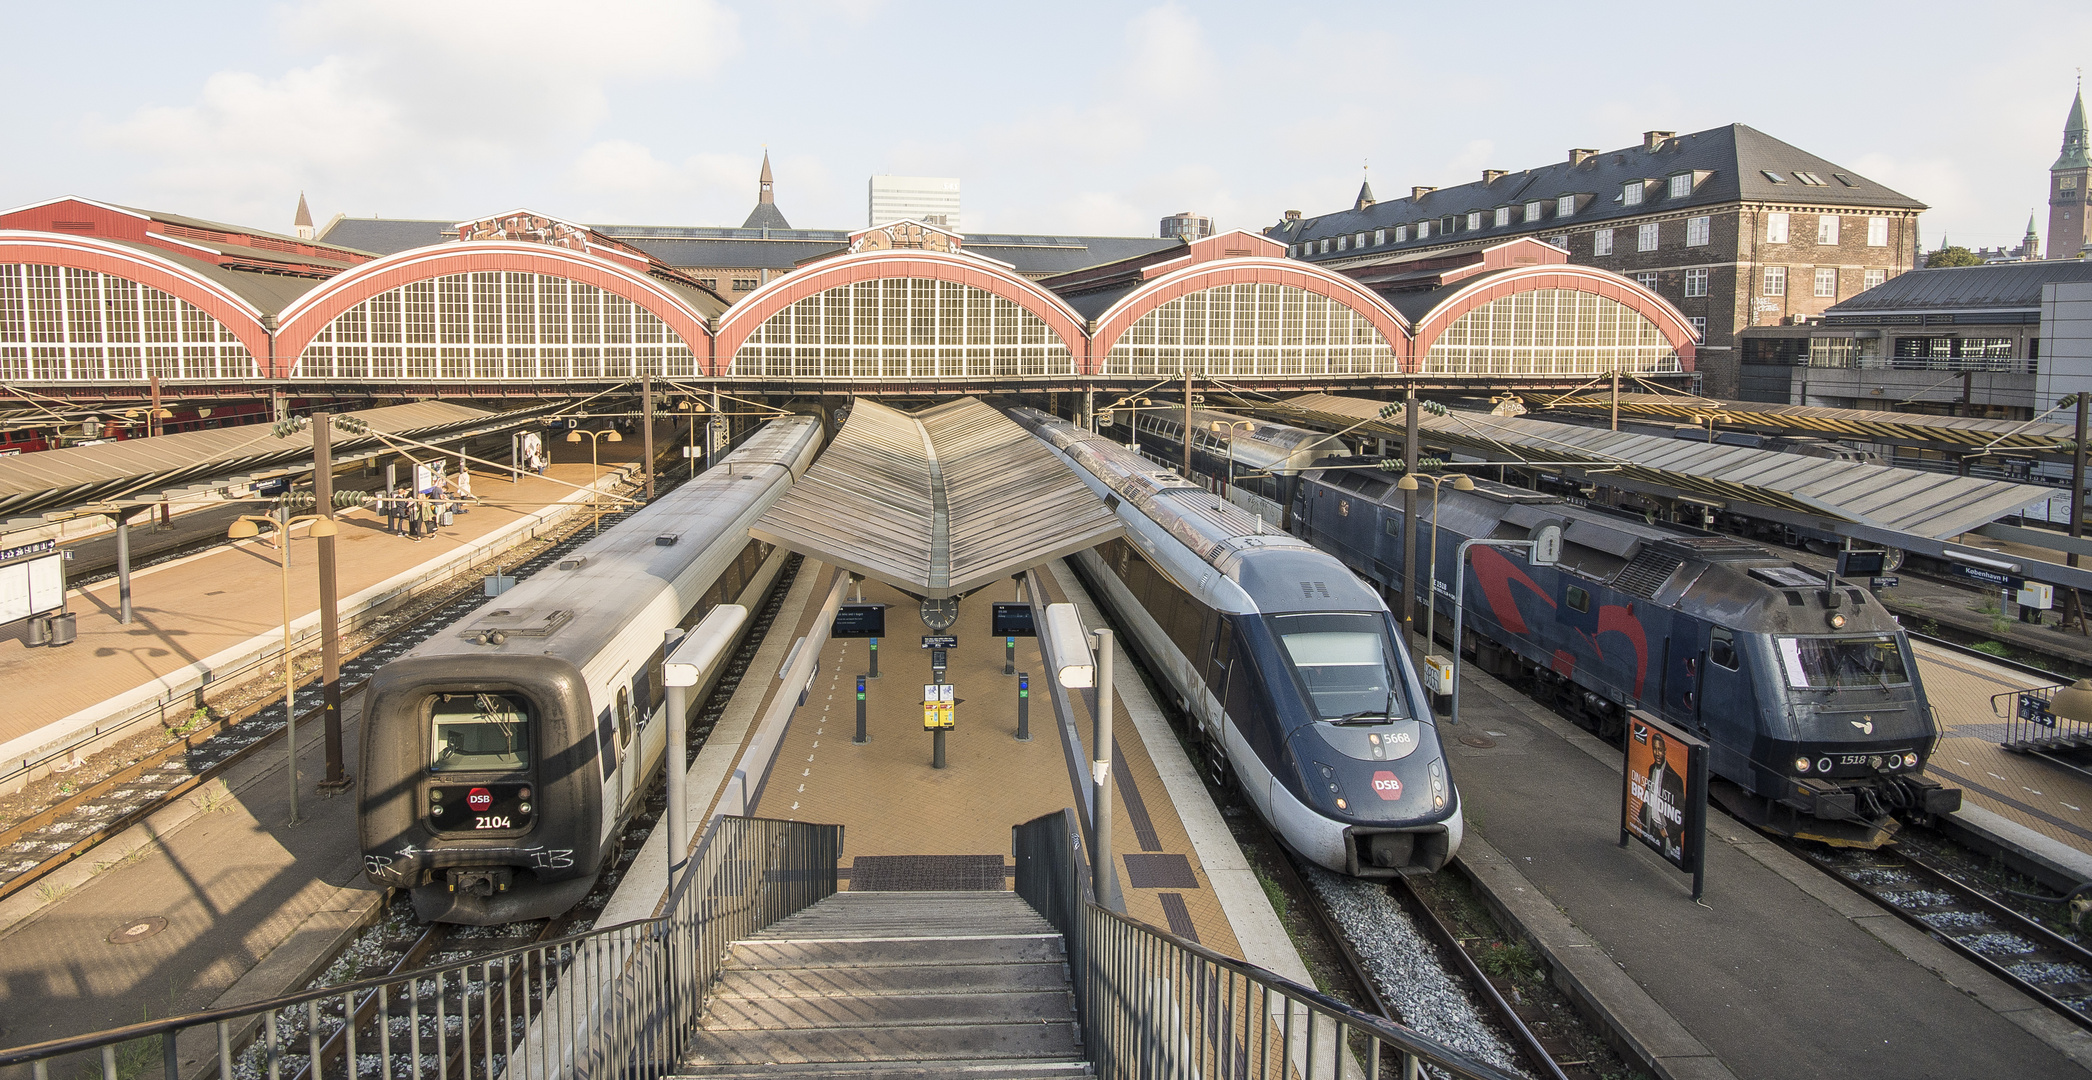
(1804, 686)
(1286, 662)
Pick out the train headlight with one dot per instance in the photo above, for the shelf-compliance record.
(1438, 785)
(1823, 764)
(1910, 761)
(523, 808)
(1801, 764)
(1836, 620)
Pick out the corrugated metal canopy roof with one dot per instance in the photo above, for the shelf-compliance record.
(1870, 425)
(135, 472)
(937, 503)
(1930, 505)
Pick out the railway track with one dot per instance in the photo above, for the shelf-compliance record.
(1511, 1028)
(76, 825)
(2046, 966)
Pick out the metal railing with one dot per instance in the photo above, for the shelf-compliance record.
(2032, 726)
(1154, 1005)
(618, 1002)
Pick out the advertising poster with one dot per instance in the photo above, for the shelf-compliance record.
(1663, 800)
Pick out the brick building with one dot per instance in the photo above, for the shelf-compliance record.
(2070, 186)
(1731, 225)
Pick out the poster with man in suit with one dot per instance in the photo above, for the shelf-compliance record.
(1664, 796)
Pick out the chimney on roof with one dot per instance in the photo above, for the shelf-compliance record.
(1652, 141)
(1579, 156)
(1491, 176)
(1292, 215)
(1420, 192)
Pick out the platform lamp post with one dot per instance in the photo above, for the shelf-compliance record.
(1228, 427)
(246, 527)
(691, 408)
(1440, 668)
(689, 656)
(594, 470)
(1075, 669)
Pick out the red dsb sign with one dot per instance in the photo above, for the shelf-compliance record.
(479, 798)
(1386, 786)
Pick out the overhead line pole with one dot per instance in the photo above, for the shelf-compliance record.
(1409, 522)
(330, 602)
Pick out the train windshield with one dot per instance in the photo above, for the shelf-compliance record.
(1345, 665)
(1826, 663)
(479, 733)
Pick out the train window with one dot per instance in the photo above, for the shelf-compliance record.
(1344, 665)
(1579, 600)
(1721, 648)
(479, 733)
(1823, 663)
(624, 716)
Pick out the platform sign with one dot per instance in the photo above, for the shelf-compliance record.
(859, 620)
(1663, 794)
(940, 641)
(1013, 620)
(1861, 563)
(32, 586)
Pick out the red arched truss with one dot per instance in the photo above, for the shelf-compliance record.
(1250, 271)
(303, 320)
(146, 268)
(757, 307)
(1676, 331)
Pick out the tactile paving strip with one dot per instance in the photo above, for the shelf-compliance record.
(928, 873)
(1160, 872)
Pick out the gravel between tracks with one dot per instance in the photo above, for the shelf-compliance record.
(1413, 980)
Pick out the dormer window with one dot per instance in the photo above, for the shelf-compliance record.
(1565, 206)
(1503, 216)
(1631, 193)
(1379, 237)
(1343, 242)
(1773, 176)
(1423, 230)
(1359, 240)
(1532, 212)
(1474, 220)
(1401, 234)
(1681, 185)
(1325, 245)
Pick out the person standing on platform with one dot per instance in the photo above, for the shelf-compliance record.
(464, 501)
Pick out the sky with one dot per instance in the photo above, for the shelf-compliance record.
(1072, 117)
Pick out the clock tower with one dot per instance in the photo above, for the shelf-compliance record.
(2069, 184)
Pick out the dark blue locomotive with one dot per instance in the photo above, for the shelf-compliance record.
(1803, 685)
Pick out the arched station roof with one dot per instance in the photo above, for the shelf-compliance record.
(303, 320)
(1667, 320)
(741, 320)
(191, 281)
(1197, 277)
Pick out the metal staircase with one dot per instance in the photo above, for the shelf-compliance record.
(896, 985)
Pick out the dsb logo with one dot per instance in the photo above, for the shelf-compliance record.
(479, 799)
(1386, 785)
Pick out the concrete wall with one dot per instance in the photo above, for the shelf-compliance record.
(2066, 342)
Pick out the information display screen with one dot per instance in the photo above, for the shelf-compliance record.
(1014, 620)
(859, 620)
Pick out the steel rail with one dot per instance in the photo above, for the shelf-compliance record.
(191, 741)
(2007, 920)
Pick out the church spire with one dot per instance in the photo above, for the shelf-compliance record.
(1365, 192)
(766, 215)
(2077, 139)
(302, 222)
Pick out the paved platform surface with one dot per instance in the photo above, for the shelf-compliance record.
(192, 608)
(908, 825)
(2041, 795)
(1780, 972)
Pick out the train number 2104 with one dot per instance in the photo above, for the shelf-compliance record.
(491, 821)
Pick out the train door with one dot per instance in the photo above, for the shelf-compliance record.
(1728, 713)
(1683, 648)
(628, 760)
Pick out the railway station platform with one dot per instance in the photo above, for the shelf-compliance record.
(1780, 971)
(205, 622)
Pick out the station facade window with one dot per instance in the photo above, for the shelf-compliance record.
(1252, 329)
(496, 325)
(60, 324)
(903, 328)
(1551, 332)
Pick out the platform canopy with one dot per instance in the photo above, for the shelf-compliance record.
(1934, 506)
(1965, 434)
(937, 503)
(116, 477)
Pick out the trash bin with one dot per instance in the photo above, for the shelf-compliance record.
(65, 628)
(39, 630)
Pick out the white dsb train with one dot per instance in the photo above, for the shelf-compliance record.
(501, 757)
(1287, 662)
